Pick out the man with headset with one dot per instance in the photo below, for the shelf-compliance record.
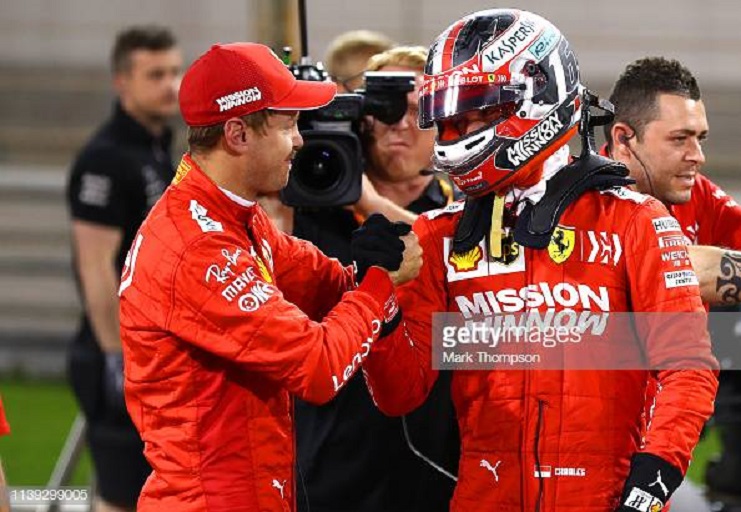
(658, 131)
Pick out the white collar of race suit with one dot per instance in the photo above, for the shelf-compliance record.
(551, 166)
(241, 201)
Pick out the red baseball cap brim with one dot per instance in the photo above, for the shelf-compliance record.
(307, 95)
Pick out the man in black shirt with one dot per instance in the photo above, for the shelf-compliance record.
(115, 180)
(351, 457)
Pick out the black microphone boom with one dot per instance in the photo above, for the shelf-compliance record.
(302, 28)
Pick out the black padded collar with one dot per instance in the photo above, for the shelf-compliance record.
(536, 223)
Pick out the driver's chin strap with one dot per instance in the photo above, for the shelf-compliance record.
(482, 216)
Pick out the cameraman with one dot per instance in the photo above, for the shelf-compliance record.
(350, 455)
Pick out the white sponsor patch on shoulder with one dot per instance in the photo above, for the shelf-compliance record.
(672, 241)
(666, 224)
(677, 258)
(95, 190)
(627, 194)
(680, 278)
(448, 210)
(206, 223)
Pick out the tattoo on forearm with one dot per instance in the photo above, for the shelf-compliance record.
(728, 284)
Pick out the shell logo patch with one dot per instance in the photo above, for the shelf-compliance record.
(467, 261)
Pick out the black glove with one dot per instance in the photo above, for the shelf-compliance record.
(113, 384)
(377, 243)
(650, 484)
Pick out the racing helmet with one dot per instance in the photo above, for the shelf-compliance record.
(520, 73)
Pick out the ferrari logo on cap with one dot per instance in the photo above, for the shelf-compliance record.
(562, 244)
(467, 261)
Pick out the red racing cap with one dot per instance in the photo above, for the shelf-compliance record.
(233, 80)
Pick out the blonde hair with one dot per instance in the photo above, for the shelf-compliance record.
(352, 46)
(413, 57)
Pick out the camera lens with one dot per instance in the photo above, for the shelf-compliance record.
(318, 166)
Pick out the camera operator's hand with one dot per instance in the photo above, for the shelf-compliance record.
(369, 198)
(113, 384)
(412, 262)
(378, 243)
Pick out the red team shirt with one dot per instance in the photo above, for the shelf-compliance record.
(711, 217)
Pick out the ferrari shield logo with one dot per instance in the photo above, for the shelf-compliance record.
(562, 244)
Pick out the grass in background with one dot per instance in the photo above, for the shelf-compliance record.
(708, 447)
(40, 416)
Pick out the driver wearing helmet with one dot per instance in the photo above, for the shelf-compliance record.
(541, 233)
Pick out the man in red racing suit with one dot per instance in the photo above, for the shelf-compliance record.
(587, 420)
(223, 317)
(546, 440)
(659, 131)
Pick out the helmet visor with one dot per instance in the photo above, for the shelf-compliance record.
(439, 103)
